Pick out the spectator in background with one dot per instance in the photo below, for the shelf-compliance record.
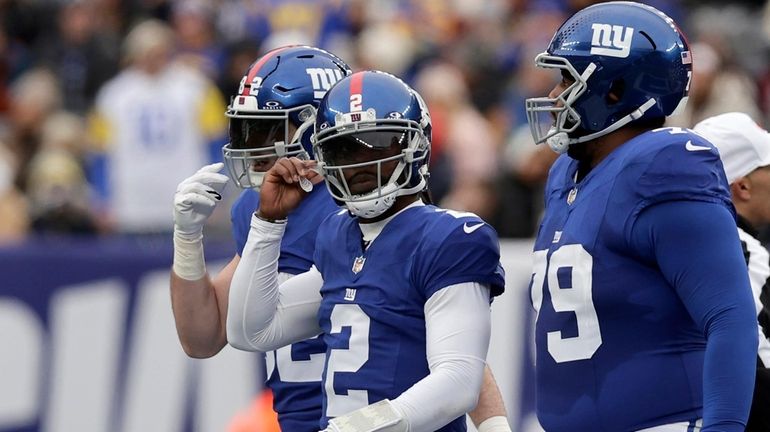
(240, 55)
(77, 54)
(34, 96)
(524, 166)
(152, 124)
(387, 46)
(56, 183)
(716, 87)
(13, 207)
(744, 148)
(467, 140)
(489, 42)
(193, 24)
(520, 185)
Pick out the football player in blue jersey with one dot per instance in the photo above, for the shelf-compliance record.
(400, 289)
(278, 94)
(270, 117)
(645, 319)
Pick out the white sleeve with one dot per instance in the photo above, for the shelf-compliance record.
(263, 315)
(457, 322)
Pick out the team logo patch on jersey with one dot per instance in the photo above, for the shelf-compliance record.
(350, 294)
(611, 40)
(358, 264)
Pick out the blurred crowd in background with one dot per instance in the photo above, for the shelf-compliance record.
(105, 105)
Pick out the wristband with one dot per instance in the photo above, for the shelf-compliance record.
(189, 263)
(262, 218)
(495, 424)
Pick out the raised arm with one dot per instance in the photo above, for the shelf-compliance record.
(264, 315)
(200, 311)
(199, 302)
(261, 315)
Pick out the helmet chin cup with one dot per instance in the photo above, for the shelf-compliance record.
(255, 179)
(559, 142)
(374, 203)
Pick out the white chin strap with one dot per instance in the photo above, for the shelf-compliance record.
(256, 178)
(376, 203)
(560, 142)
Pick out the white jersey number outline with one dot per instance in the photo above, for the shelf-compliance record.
(347, 360)
(577, 299)
(294, 371)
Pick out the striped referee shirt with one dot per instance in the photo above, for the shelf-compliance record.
(758, 262)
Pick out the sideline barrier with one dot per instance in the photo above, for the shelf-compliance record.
(89, 344)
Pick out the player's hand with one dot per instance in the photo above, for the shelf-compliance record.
(196, 197)
(281, 191)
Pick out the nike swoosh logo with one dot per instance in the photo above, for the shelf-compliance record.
(692, 147)
(470, 229)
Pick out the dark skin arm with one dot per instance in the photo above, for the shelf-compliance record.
(280, 192)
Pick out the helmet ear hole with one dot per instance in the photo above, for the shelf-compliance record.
(615, 94)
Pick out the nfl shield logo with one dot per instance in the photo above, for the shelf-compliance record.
(572, 195)
(358, 264)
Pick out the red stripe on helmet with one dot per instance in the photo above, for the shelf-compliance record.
(357, 84)
(257, 66)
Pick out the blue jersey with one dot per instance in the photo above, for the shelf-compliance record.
(616, 347)
(293, 372)
(372, 312)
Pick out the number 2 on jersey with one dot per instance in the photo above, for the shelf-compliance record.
(347, 360)
(577, 298)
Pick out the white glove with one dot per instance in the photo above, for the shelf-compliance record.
(195, 199)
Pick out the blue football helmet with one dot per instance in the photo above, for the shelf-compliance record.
(629, 49)
(369, 119)
(272, 114)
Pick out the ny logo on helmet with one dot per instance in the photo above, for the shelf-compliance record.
(323, 79)
(611, 40)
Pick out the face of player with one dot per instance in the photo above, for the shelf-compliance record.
(760, 195)
(564, 83)
(367, 159)
(262, 136)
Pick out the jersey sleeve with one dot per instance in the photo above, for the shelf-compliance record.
(696, 247)
(669, 167)
(240, 217)
(466, 250)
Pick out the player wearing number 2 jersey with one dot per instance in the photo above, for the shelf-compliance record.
(400, 289)
(645, 316)
(270, 117)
